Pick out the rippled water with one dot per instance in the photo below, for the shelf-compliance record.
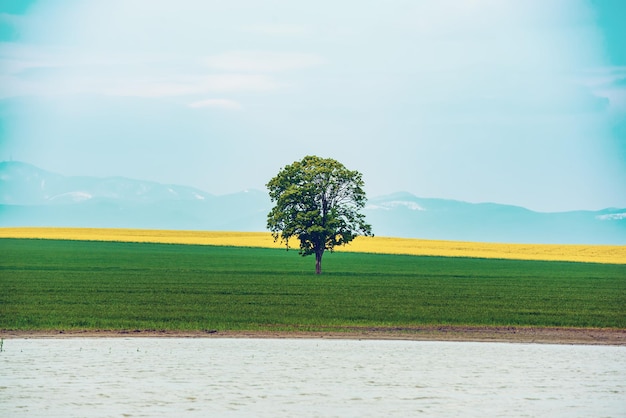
(307, 377)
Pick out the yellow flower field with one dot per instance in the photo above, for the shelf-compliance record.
(613, 254)
(585, 253)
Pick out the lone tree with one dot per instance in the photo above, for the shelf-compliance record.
(318, 202)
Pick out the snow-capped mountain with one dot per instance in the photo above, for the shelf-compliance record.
(30, 196)
(25, 184)
(403, 214)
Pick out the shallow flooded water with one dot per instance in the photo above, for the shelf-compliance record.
(115, 377)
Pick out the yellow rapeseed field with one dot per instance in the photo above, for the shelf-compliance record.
(613, 254)
(383, 245)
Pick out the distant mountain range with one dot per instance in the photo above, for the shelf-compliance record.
(30, 196)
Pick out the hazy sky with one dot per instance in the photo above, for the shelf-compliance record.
(511, 101)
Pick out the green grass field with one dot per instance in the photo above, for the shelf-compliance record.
(65, 285)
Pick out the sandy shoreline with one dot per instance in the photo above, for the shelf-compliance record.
(586, 336)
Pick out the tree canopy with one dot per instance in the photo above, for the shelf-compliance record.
(317, 200)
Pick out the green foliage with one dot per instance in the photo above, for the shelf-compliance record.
(317, 200)
(60, 285)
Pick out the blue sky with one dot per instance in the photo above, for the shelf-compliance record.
(520, 102)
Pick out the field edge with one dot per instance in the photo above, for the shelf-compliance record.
(452, 333)
(603, 254)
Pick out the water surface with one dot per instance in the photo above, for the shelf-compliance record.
(102, 377)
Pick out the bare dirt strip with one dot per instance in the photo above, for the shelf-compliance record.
(585, 336)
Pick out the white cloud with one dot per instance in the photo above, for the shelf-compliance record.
(190, 85)
(607, 82)
(49, 70)
(259, 61)
(217, 103)
(134, 86)
(15, 57)
(238, 82)
(601, 77)
(616, 98)
(278, 29)
(19, 57)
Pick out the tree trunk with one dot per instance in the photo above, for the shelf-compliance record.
(318, 261)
